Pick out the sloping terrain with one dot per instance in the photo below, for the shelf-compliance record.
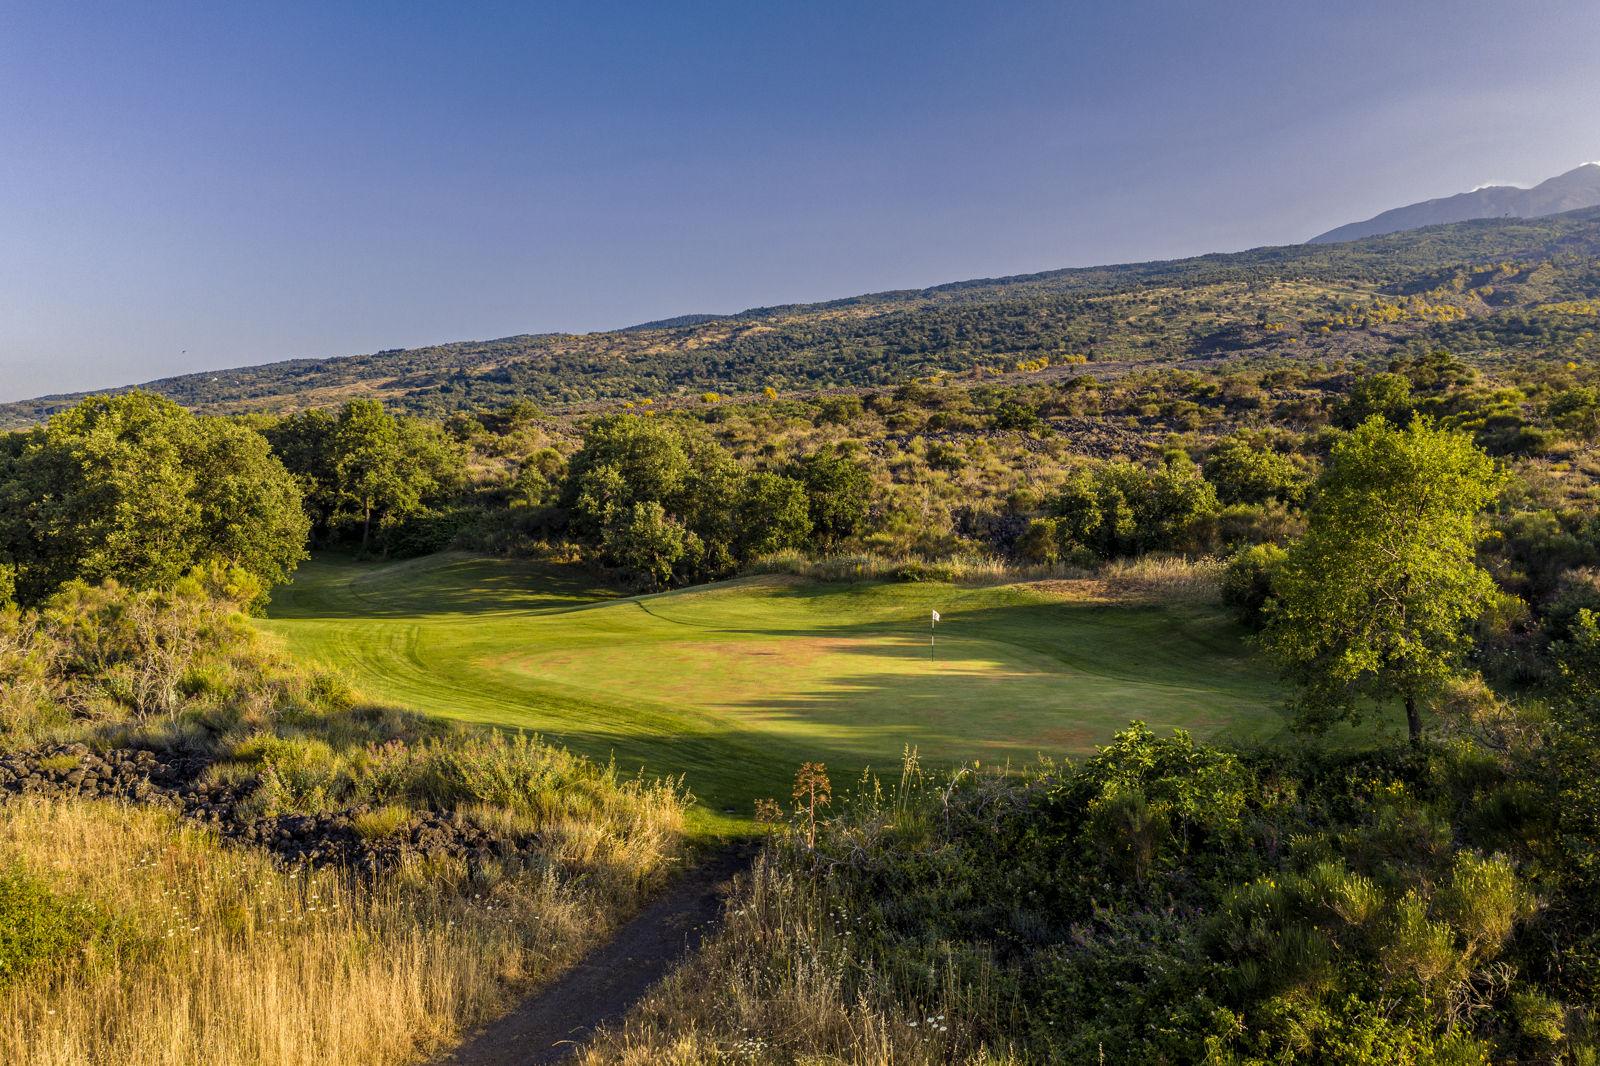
(735, 684)
(1495, 286)
(1576, 189)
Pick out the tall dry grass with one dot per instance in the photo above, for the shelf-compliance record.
(227, 959)
(794, 978)
(772, 987)
(871, 566)
(1164, 579)
(1149, 578)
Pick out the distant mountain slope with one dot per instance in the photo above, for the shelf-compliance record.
(676, 320)
(1510, 286)
(1576, 189)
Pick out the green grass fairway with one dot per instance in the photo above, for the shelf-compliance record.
(735, 684)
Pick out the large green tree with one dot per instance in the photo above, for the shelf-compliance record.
(368, 467)
(304, 443)
(625, 459)
(772, 515)
(838, 495)
(641, 487)
(365, 472)
(134, 487)
(1376, 601)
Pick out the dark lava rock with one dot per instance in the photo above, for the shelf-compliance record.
(174, 780)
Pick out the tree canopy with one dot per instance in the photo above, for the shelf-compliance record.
(135, 488)
(1375, 602)
(364, 471)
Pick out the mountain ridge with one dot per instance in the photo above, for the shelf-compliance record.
(1573, 190)
(1266, 303)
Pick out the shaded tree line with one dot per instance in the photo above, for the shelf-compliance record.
(135, 488)
(666, 505)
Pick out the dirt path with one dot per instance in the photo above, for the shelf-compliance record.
(552, 1024)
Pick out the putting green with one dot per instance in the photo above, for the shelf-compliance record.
(734, 684)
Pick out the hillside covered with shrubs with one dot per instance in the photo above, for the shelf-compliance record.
(1384, 453)
(1492, 288)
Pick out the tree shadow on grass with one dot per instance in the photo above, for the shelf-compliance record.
(451, 584)
(982, 701)
(992, 698)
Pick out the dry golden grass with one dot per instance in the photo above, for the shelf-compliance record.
(1164, 579)
(1148, 579)
(962, 569)
(230, 960)
(771, 988)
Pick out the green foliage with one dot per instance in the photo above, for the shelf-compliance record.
(773, 515)
(1243, 473)
(1247, 582)
(369, 476)
(1577, 409)
(624, 460)
(134, 488)
(1010, 414)
(1385, 396)
(1041, 541)
(1120, 508)
(666, 504)
(1577, 659)
(1375, 601)
(1173, 902)
(107, 652)
(838, 496)
(39, 926)
(647, 543)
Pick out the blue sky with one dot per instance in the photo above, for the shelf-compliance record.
(185, 187)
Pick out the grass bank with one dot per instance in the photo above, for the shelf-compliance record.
(734, 684)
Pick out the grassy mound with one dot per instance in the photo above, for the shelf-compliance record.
(735, 684)
(209, 854)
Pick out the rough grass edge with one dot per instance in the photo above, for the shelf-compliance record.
(1163, 578)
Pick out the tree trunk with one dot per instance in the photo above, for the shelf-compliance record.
(366, 529)
(1413, 719)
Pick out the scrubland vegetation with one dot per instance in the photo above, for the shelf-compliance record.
(1164, 901)
(1345, 489)
(297, 877)
(1490, 289)
(172, 948)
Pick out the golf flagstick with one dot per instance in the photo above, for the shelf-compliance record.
(930, 634)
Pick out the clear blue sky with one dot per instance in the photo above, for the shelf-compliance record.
(191, 186)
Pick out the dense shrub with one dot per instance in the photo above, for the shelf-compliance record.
(1244, 473)
(1119, 509)
(136, 489)
(1247, 582)
(1165, 902)
(105, 652)
(371, 478)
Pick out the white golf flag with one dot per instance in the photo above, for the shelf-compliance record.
(935, 616)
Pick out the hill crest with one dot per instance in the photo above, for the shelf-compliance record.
(1270, 303)
(1578, 188)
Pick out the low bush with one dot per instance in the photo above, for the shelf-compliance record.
(1247, 582)
(1165, 901)
(39, 926)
